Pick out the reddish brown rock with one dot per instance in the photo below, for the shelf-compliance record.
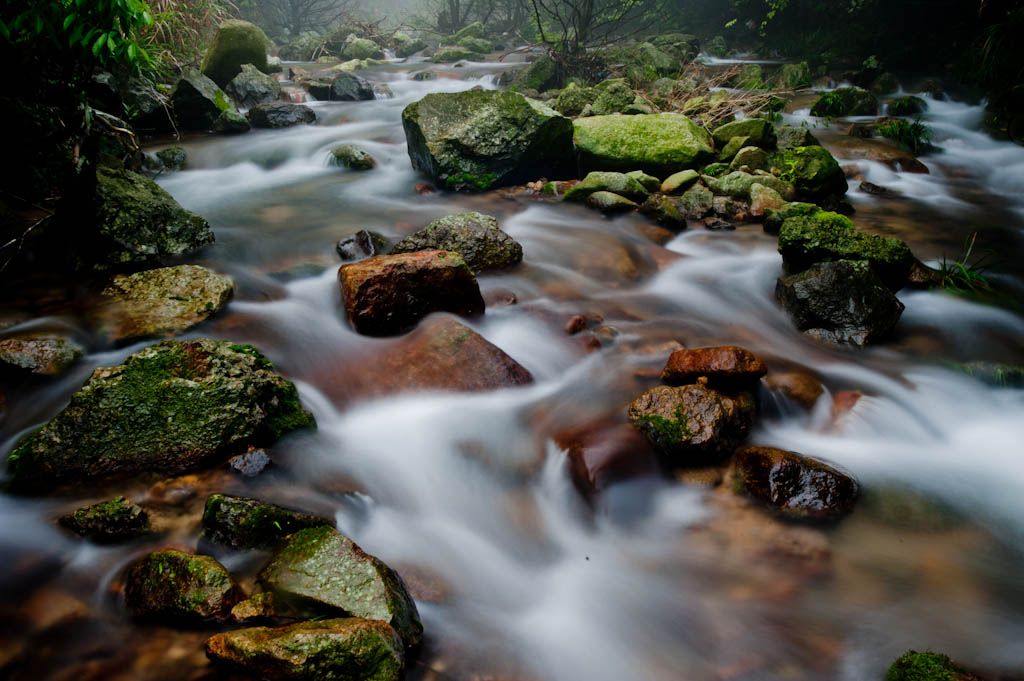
(576, 324)
(797, 486)
(801, 388)
(602, 454)
(388, 294)
(726, 367)
(883, 151)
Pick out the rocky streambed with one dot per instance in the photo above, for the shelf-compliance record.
(674, 412)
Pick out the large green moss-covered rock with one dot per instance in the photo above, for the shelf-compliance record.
(847, 101)
(824, 237)
(653, 62)
(241, 523)
(476, 45)
(167, 408)
(479, 139)
(915, 666)
(320, 568)
(812, 170)
(346, 649)
(198, 101)
(612, 96)
(540, 75)
(759, 132)
(178, 585)
(659, 144)
(617, 183)
(737, 185)
(138, 223)
(475, 30)
(573, 99)
(449, 54)
(236, 42)
(476, 237)
(361, 48)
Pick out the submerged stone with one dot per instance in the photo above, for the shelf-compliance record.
(177, 585)
(659, 144)
(474, 236)
(109, 521)
(242, 523)
(352, 157)
(796, 486)
(280, 115)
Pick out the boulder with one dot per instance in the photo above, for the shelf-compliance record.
(348, 87)
(251, 87)
(321, 569)
(649, 60)
(664, 210)
(476, 45)
(236, 43)
(791, 136)
(737, 185)
(108, 522)
(388, 294)
(198, 101)
(692, 424)
(716, 47)
(842, 302)
(847, 101)
(573, 99)
(280, 115)
(231, 122)
(726, 368)
(825, 237)
(480, 139)
(168, 408)
(812, 170)
(883, 151)
(732, 147)
(361, 48)
(352, 157)
(242, 523)
(138, 223)
(796, 486)
(149, 104)
(610, 203)
(476, 237)
(751, 158)
(759, 131)
(611, 97)
(161, 302)
(649, 182)
(341, 649)
(679, 182)
(473, 30)
(41, 353)
(794, 76)
(659, 144)
(177, 585)
(407, 48)
(361, 245)
(449, 54)
(617, 183)
(915, 666)
(696, 202)
(540, 75)
(764, 199)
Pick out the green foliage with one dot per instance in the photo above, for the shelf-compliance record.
(470, 181)
(914, 137)
(963, 277)
(915, 666)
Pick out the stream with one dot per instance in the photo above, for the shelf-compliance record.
(518, 575)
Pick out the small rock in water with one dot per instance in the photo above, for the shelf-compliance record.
(108, 521)
(231, 122)
(348, 87)
(173, 158)
(576, 324)
(44, 354)
(610, 203)
(617, 183)
(242, 523)
(915, 666)
(665, 211)
(352, 157)
(362, 245)
(252, 87)
(649, 182)
(280, 115)
(870, 188)
(717, 224)
(250, 464)
(797, 486)
(257, 606)
(179, 585)
(801, 388)
(476, 237)
(725, 367)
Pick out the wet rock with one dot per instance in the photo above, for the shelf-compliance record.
(172, 158)
(759, 131)
(161, 302)
(659, 144)
(478, 139)
(849, 101)
(873, 189)
(177, 585)
(251, 87)
(751, 158)
(424, 75)
(763, 199)
(361, 245)
(826, 237)
(906, 106)
(197, 101)
(610, 203)
(683, 46)
(250, 464)
(108, 522)
(236, 43)
(716, 224)
(883, 151)
(750, 77)
(696, 202)
(322, 569)
(664, 210)
(679, 182)
(842, 302)
(138, 223)
(792, 136)
(477, 45)
(617, 183)
(601, 455)
(775, 218)
(476, 237)
(812, 170)
(361, 48)
(242, 523)
(799, 387)
(737, 185)
(692, 424)
(915, 666)
(231, 122)
(280, 115)
(388, 294)
(731, 209)
(44, 354)
(794, 76)
(352, 157)
(725, 367)
(795, 485)
(410, 47)
(167, 408)
(348, 87)
(342, 649)
(649, 182)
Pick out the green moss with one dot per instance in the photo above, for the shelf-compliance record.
(261, 359)
(659, 144)
(915, 666)
(667, 432)
(470, 181)
(812, 170)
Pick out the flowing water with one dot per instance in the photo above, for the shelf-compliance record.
(518, 575)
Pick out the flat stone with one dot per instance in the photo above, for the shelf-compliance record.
(795, 485)
(725, 367)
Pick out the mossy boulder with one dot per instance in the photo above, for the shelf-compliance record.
(449, 54)
(474, 236)
(611, 97)
(717, 47)
(792, 136)
(812, 170)
(759, 131)
(41, 353)
(618, 183)
(825, 237)
(737, 185)
(479, 139)
(610, 203)
(108, 522)
(651, 62)
(352, 157)
(540, 75)
(750, 77)
(343, 649)
(679, 182)
(847, 101)
(475, 30)
(361, 48)
(775, 218)
(732, 147)
(411, 47)
(172, 158)
(664, 210)
(198, 101)
(796, 486)
(476, 45)
(794, 76)
(659, 144)
(915, 666)
(168, 408)
(231, 122)
(906, 106)
(573, 99)
(176, 585)
(242, 523)
(751, 158)
(322, 570)
(649, 182)
(251, 87)
(696, 202)
(236, 42)
(138, 224)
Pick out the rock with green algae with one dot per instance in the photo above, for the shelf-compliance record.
(679, 182)
(410, 47)
(236, 42)
(732, 147)
(449, 54)
(617, 183)
(794, 76)
(774, 218)
(160, 302)
(906, 106)
(659, 144)
(611, 97)
(750, 77)
(812, 170)
(322, 570)
(696, 202)
(251, 87)
(198, 101)
(792, 136)
(108, 522)
(476, 45)
(361, 48)
(737, 185)
(474, 236)
(764, 199)
(478, 139)
(915, 666)
(352, 157)
(172, 158)
(649, 182)
(664, 210)
(343, 649)
(540, 75)
(847, 101)
(753, 158)
(475, 30)
(759, 130)
(243, 523)
(573, 99)
(231, 122)
(609, 203)
(138, 224)
(647, 59)
(177, 585)
(168, 408)
(825, 237)
(683, 46)
(259, 606)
